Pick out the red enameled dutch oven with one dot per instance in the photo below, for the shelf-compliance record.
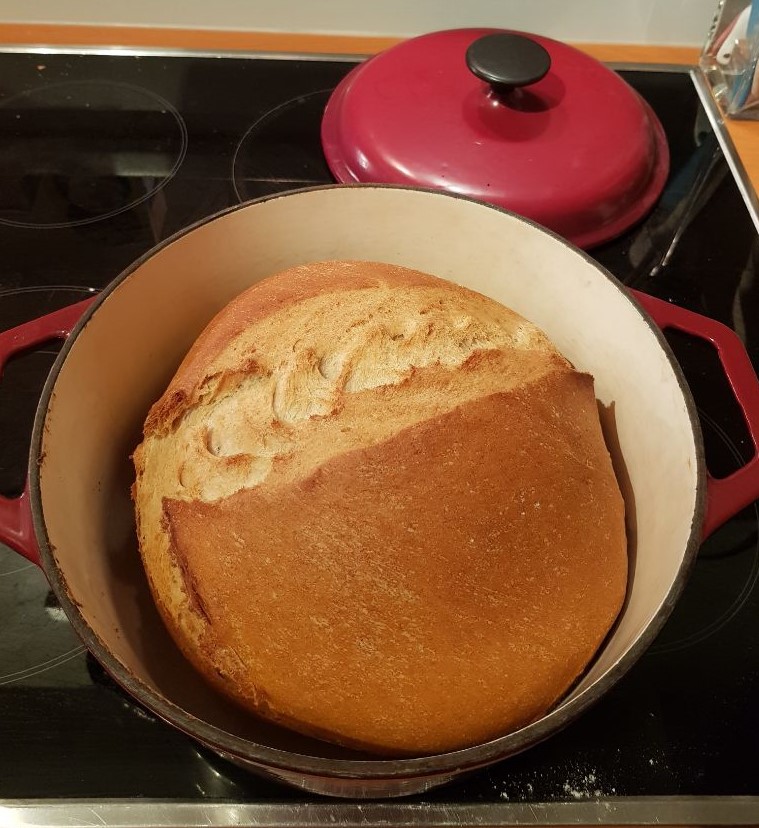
(520, 121)
(75, 517)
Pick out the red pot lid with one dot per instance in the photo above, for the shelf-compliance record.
(523, 122)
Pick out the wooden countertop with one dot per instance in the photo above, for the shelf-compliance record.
(744, 134)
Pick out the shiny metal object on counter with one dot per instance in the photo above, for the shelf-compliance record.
(120, 814)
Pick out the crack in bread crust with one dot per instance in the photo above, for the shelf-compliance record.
(264, 396)
(288, 381)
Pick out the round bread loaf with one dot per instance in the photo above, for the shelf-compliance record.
(377, 508)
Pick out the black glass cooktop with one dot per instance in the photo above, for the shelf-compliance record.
(101, 157)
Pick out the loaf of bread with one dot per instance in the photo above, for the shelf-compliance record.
(377, 508)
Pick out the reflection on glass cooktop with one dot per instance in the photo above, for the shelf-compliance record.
(103, 156)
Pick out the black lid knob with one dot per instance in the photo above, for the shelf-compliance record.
(506, 60)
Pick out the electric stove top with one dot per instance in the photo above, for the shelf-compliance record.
(101, 157)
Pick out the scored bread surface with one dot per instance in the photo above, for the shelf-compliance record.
(378, 508)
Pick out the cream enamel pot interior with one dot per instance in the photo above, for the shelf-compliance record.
(126, 346)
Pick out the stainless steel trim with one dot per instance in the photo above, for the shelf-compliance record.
(138, 51)
(726, 143)
(622, 66)
(162, 814)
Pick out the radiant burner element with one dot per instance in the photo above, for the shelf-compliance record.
(78, 152)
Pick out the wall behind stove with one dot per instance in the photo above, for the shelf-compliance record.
(619, 21)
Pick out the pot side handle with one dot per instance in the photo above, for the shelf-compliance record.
(726, 496)
(16, 526)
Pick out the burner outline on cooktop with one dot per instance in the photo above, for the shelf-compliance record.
(166, 107)
(23, 566)
(271, 115)
(42, 667)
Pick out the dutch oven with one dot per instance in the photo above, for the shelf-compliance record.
(75, 518)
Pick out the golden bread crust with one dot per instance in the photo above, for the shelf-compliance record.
(433, 548)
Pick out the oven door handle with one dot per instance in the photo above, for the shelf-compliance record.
(16, 524)
(726, 496)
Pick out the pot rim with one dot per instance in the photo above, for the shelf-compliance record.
(468, 758)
